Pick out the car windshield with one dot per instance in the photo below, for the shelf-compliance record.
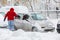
(37, 16)
(21, 15)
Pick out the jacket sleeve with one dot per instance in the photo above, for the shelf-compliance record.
(6, 15)
(15, 14)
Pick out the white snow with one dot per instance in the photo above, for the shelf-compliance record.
(6, 34)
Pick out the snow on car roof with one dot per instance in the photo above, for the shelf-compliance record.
(18, 9)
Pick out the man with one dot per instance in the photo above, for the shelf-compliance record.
(10, 16)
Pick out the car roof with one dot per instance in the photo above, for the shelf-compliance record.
(18, 9)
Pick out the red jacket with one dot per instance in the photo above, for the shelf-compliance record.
(10, 14)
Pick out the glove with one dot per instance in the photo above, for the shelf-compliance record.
(4, 19)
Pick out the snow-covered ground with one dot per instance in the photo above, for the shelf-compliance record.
(6, 34)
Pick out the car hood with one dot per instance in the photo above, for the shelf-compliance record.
(44, 23)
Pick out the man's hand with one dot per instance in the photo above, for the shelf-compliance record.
(4, 19)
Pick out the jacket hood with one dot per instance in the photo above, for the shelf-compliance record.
(12, 9)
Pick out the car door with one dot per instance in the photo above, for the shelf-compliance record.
(22, 24)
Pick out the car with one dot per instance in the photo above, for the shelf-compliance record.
(2, 23)
(36, 22)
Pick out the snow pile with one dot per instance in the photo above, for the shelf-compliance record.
(5, 33)
(34, 36)
(18, 35)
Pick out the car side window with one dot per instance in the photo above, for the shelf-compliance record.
(37, 16)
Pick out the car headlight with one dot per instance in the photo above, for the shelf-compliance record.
(50, 24)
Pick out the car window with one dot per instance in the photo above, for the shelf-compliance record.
(37, 16)
(21, 15)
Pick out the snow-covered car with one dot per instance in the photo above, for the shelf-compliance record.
(36, 21)
(2, 23)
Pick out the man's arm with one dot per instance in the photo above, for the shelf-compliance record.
(5, 16)
(15, 14)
